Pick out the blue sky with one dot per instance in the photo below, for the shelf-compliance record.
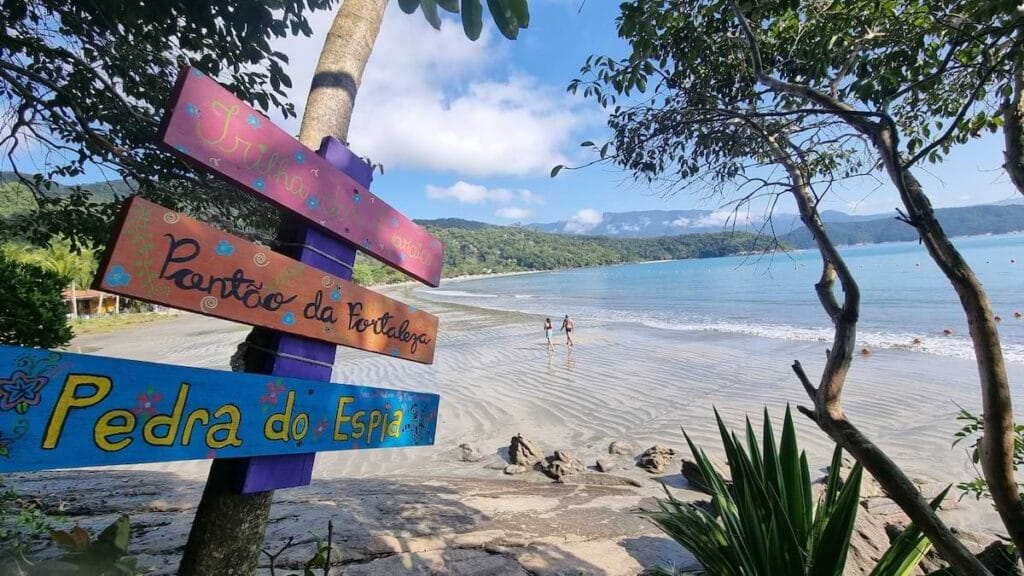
(471, 129)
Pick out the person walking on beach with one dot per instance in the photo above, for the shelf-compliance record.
(547, 333)
(567, 325)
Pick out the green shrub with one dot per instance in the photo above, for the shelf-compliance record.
(32, 312)
(765, 522)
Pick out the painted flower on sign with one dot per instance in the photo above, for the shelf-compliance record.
(259, 184)
(321, 427)
(224, 248)
(274, 388)
(357, 198)
(336, 294)
(192, 110)
(146, 405)
(253, 120)
(288, 319)
(21, 391)
(300, 157)
(394, 222)
(312, 202)
(181, 148)
(5, 446)
(118, 276)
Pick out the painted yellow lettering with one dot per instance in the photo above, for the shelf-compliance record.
(357, 424)
(200, 415)
(230, 429)
(224, 111)
(375, 422)
(340, 417)
(70, 399)
(395, 427)
(149, 434)
(105, 428)
(276, 426)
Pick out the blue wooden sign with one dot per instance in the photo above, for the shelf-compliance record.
(62, 410)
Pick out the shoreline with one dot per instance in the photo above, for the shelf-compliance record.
(624, 382)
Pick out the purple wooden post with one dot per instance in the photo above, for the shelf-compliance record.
(273, 472)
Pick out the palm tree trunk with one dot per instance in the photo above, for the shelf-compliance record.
(339, 72)
(227, 533)
(117, 304)
(74, 301)
(99, 305)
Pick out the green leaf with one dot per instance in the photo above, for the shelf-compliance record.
(472, 18)
(521, 10)
(909, 548)
(829, 557)
(504, 18)
(449, 5)
(556, 170)
(586, 143)
(430, 13)
(409, 6)
(117, 534)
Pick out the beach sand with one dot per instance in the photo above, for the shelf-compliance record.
(423, 507)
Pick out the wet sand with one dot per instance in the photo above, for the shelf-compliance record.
(620, 382)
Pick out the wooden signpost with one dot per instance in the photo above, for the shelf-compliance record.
(62, 410)
(163, 257)
(211, 127)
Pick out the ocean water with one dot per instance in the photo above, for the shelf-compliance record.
(903, 295)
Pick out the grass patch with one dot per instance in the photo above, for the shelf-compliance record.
(112, 322)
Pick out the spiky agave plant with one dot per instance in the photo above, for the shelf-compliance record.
(766, 523)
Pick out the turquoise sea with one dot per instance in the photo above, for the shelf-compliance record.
(904, 295)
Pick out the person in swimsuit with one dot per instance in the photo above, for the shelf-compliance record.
(568, 325)
(547, 333)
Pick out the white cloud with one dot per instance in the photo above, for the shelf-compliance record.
(583, 221)
(466, 193)
(716, 218)
(680, 222)
(435, 100)
(513, 213)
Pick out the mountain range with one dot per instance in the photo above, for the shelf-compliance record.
(1006, 216)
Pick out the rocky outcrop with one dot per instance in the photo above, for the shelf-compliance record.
(513, 469)
(621, 448)
(524, 452)
(695, 479)
(656, 459)
(605, 465)
(470, 453)
(562, 464)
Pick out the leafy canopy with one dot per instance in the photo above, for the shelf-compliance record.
(85, 83)
(509, 15)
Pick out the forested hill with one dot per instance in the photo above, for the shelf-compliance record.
(965, 221)
(477, 248)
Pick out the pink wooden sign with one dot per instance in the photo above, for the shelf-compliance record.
(209, 126)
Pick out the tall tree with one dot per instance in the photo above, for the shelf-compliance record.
(227, 532)
(865, 68)
(84, 84)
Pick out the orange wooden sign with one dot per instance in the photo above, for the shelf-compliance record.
(163, 257)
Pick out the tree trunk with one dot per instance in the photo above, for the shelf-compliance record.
(997, 443)
(227, 533)
(1013, 126)
(997, 406)
(99, 305)
(74, 301)
(339, 72)
(117, 304)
